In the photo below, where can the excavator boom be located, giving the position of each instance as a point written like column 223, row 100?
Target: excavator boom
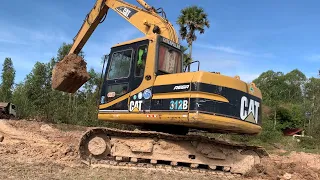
column 92, row 20
column 147, row 20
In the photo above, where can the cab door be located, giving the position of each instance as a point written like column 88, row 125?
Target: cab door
column 123, row 74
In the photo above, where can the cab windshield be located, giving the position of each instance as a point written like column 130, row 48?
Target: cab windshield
column 169, row 60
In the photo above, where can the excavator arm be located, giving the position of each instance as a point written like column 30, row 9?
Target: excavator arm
column 147, row 20
column 92, row 20
column 70, row 74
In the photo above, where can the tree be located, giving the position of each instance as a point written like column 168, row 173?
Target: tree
column 7, row 76
column 35, row 88
column 186, row 57
column 295, row 81
column 283, row 92
column 191, row 20
column 270, row 83
column 272, row 87
column 312, row 97
column 64, row 50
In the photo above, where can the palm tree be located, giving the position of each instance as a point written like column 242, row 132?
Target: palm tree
column 186, row 56
column 192, row 19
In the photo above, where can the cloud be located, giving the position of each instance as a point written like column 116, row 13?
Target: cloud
column 30, row 36
column 248, row 77
column 213, row 64
column 11, row 41
column 229, row 61
column 313, row 58
column 9, row 36
column 218, row 62
column 231, row 50
column 48, row 36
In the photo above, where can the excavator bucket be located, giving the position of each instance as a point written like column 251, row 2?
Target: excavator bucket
column 70, row 74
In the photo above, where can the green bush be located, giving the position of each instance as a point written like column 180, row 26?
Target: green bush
column 309, row 143
column 269, row 134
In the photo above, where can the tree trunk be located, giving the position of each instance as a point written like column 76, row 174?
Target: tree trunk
column 69, row 108
column 190, row 53
column 275, row 119
column 312, row 114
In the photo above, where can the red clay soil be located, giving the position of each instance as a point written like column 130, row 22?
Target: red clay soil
column 70, row 74
column 295, row 166
column 36, row 150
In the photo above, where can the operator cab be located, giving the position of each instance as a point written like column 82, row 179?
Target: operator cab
column 169, row 58
column 126, row 67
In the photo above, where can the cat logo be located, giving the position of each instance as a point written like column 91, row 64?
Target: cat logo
column 135, row 105
column 249, row 110
column 126, row 11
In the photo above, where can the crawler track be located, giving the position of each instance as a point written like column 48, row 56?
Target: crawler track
column 160, row 167
column 194, row 153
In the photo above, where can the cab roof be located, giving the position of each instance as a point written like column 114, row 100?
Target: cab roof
column 131, row 41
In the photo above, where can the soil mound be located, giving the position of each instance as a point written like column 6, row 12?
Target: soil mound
column 295, row 166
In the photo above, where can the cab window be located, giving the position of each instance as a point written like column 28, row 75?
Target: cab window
column 169, row 60
column 120, row 64
column 141, row 60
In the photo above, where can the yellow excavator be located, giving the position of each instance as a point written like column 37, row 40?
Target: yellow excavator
column 145, row 84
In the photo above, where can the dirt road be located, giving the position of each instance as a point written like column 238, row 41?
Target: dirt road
column 35, row 150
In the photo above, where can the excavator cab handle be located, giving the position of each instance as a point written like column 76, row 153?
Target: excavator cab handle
column 185, row 68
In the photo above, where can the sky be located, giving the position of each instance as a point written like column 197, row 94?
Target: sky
column 245, row 38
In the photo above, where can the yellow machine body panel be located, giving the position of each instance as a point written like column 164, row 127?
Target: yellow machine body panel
column 201, row 100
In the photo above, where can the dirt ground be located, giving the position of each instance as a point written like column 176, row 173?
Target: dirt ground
column 35, row 150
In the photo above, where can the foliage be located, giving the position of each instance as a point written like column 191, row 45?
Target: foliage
column 7, row 77
column 269, row 134
column 272, row 87
column 191, row 20
column 293, row 99
column 35, row 99
column 290, row 116
column 64, row 50
column 186, row 57
column 312, row 100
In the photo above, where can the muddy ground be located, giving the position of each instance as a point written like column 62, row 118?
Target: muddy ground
column 35, row 150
